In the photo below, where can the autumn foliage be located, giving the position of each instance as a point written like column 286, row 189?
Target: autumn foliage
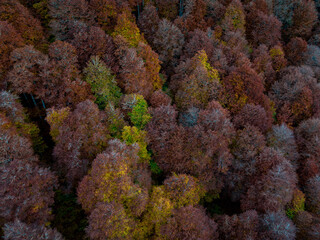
column 160, row 119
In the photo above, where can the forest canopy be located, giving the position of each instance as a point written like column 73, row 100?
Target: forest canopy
column 160, row 119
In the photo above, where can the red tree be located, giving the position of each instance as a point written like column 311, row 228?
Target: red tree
column 304, row 17
column 241, row 86
column 295, row 49
column 190, row 223
column 248, row 143
column 105, row 12
column 56, row 79
column 176, row 147
column 66, row 14
column 148, row 22
column 293, row 94
column 253, row 115
column 88, row 41
column 168, row 42
column 263, row 65
column 243, row 226
column 262, row 28
column 26, row 190
column 273, row 183
column 22, row 20
column 198, row 40
column 11, row 40
column 282, row 139
column 81, row 136
column 159, row 98
column 167, row 8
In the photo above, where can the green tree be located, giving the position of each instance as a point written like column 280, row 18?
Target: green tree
column 133, row 135
column 102, row 81
column 139, row 115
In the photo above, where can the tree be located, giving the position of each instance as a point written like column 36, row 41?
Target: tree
column 311, row 58
column 55, row 79
column 242, row 86
column 278, row 60
column 193, row 150
column 81, row 136
column 199, row 40
column 115, row 121
column 304, row 17
column 11, row 107
column 152, row 65
column 189, row 117
column 127, row 28
column 55, row 118
column 14, row 146
column 109, row 220
column 139, row 68
column 283, row 10
column 65, row 14
column 168, row 42
column 193, row 16
column 253, row 115
column 246, row 147
column 190, row 223
column 162, row 130
column 103, row 83
column 105, row 12
column 22, row 20
column 183, row 190
column 307, row 225
column 274, row 183
column 215, row 10
column 26, row 190
column 234, row 17
column 313, row 194
column 112, row 178
column 262, row 28
column 242, row 226
column 133, row 135
column 27, row 63
column 14, row 117
column 263, row 65
column 88, row 41
column 148, row 22
column 196, row 82
column 296, row 205
column 282, row 139
column 276, row 225
column 307, row 137
column 61, row 83
column 11, row 40
column 159, row 98
column 137, row 110
column 295, row 49
column 167, row 9
column 158, row 211
column 18, row 230
column 293, row 95
column 29, row 187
